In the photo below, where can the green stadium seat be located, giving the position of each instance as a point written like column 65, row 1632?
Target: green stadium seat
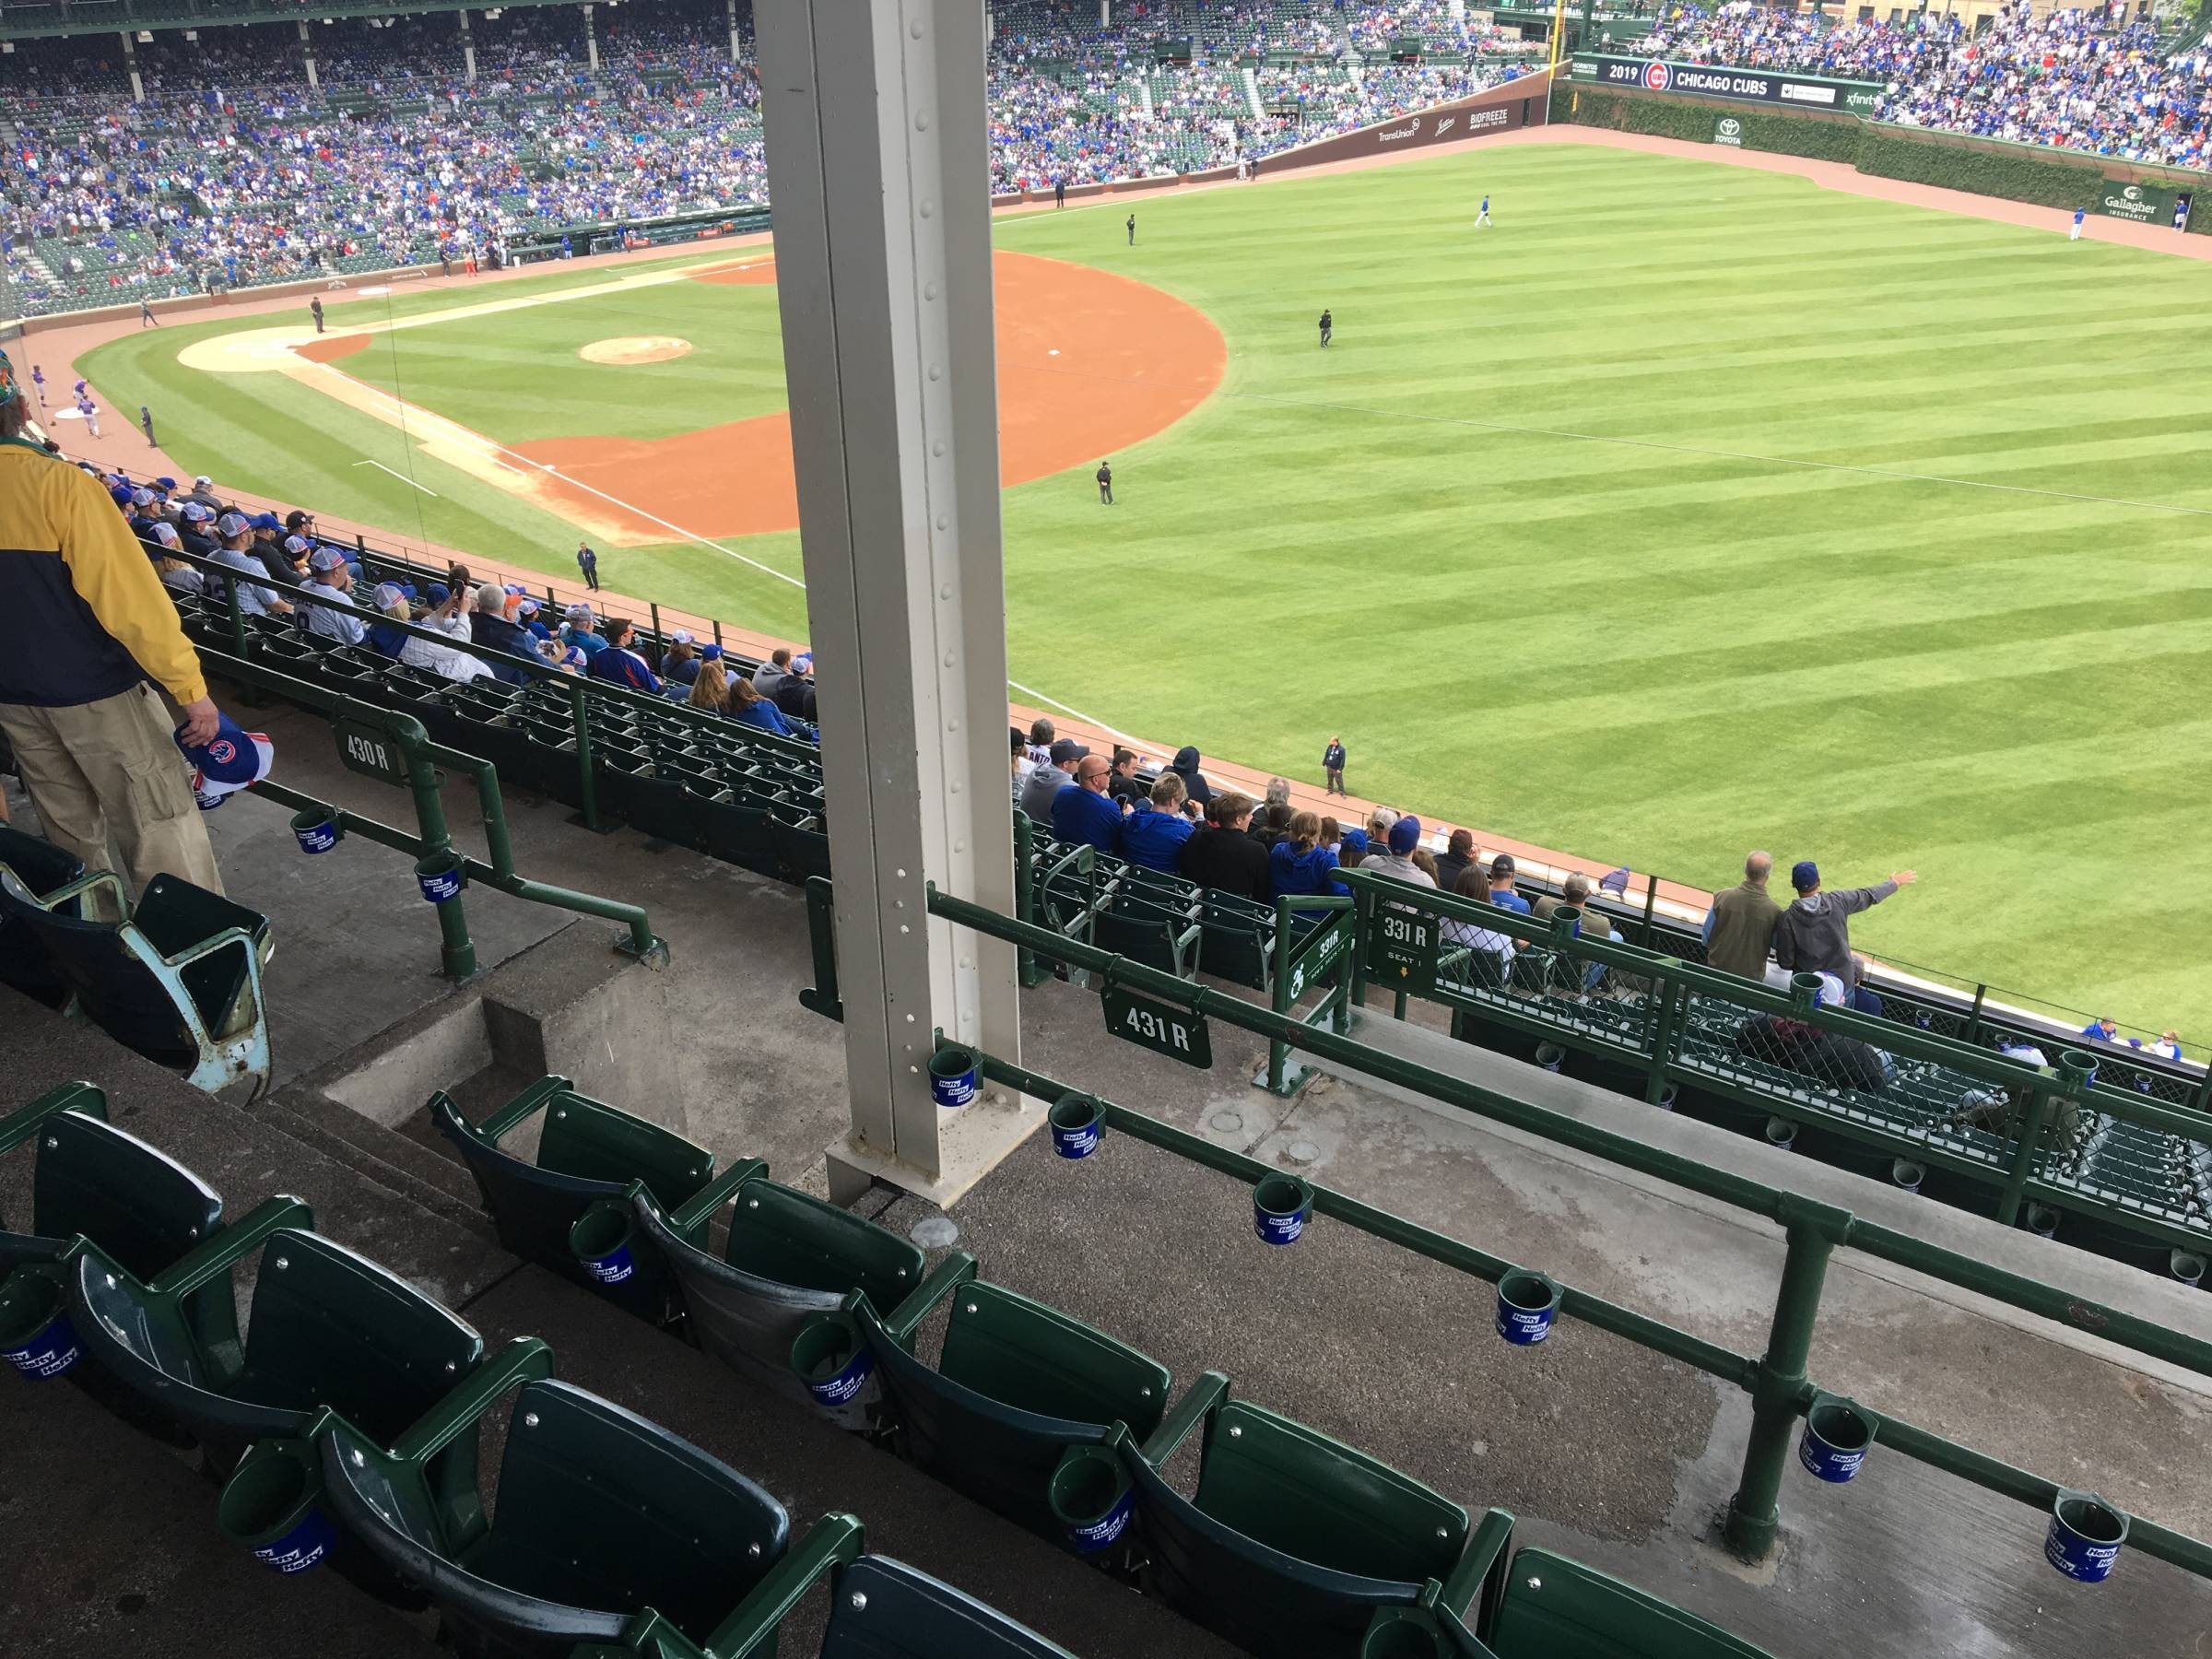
column 1015, row 1384
column 802, row 845
column 879, row 1608
column 40, row 870
column 607, row 1526
column 91, row 1180
column 327, row 1328
column 1551, row 1607
column 788, row 1257
column 1293, row 1542
column 178, row 977
column 588, row 1154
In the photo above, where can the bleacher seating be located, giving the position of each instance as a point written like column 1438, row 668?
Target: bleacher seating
column 176, row 976
column 348, row 1420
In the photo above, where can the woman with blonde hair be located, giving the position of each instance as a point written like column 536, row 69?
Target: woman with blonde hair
column 1301, row 864
column 711, row 690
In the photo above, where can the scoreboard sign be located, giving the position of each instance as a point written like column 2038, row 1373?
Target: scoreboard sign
column 1718, row 80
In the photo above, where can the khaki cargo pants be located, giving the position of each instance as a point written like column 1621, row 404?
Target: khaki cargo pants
column 111, row 769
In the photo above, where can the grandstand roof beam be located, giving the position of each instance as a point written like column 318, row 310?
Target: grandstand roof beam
column 878, row 155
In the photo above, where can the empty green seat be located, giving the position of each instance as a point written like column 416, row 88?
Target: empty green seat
column 1551, row 1607
column 141, row 1206
column 604, row 1524
column 788, row 1257
column 1294, row 1542
column 879, row 1608
column 178, row 979
column 327, row 1328
column 40, row 868
column 588, row 1153
column 1015, row 1384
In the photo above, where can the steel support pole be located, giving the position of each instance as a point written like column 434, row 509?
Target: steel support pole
column 877, row 161
column 1754, row 1513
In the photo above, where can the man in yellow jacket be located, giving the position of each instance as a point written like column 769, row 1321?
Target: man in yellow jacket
column 94, row 632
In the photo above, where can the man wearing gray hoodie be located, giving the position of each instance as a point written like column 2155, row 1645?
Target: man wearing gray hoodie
column 1813, row 935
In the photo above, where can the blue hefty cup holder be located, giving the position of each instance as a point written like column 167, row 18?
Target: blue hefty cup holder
column 36, row 1337
column 1527, row 1302
column 2186, row 1265
column 1782, row 1135
column 316, row 829
column 1077, row 1121
column 1551, row 1056
column 272, row 1506
column 952, row 1076
column 440, row 879
column 1907, row 1174
column 2085, row 1538
column 831, row 1357
column 1280, row 1206
column 1090, row 1495
column 602, row 1241
column 1838, row 1433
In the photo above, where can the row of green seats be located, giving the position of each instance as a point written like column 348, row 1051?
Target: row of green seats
column 346, row 1426
column 1292, row 1542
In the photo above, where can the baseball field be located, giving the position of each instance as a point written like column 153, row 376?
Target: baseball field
column 1686, row 509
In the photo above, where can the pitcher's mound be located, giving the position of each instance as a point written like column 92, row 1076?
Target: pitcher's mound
column 635, row 349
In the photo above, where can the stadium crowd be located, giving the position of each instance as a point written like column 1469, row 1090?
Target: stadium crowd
column 2071, row 79
column 235, row 170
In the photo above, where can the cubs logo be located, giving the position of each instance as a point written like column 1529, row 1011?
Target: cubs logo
column 222, row 751
column 1656, row 76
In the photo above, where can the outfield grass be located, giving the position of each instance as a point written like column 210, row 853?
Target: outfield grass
column 1527, row 538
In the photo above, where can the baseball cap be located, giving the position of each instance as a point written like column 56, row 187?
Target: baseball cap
column 1067, row 749
column 122, row 494
column 1353, row 836
column 324, row 558
column 1405, row 835
column 680, row 637
column 227, row 762
column 712, row 654
column 1831, row 992
column 142, row 498
column 296, row 518
column 1503, row 864
column 388, row 594
column 230, row 525
column 195, row 512
column 1805, row 875
column 202, row 482
column 166, row 535
column 268, row 521
column 165, row 482
column 440, row 592
column 525, row 608
column 296, row 545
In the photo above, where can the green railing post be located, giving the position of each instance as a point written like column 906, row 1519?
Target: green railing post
column 1973, row 1023
column 2023, row 1156
column 1663, row 1037
column 586, row 786
column 1274, row 1079
column 1363, row 916
column 1025, row 897
column 1779, row 1386
column 822, row 997
column 1651, row 898
column 238, row 618
column 660, row 639
column 456, row 949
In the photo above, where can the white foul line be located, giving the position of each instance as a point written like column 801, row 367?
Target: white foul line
column 400, row 476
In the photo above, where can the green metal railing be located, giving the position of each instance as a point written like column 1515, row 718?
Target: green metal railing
column 1668, row 1034
column 432, row 844
column 1777, row 1380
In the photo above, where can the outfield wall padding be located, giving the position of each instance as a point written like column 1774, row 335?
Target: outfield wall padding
column 2015, row 172
column 1500, row 108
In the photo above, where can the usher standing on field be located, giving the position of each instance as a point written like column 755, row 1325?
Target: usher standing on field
column 1328, row 326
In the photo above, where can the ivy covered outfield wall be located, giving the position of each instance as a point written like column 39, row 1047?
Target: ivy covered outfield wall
column 2018, row 173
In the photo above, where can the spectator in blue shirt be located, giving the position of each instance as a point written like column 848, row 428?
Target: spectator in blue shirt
column 618, row 662
column 1299, row 865
column 1083, row 811
column 2101, row 1030
column 747, row 707
column 1502, row 892
column 1153, row 835
column 576, row 631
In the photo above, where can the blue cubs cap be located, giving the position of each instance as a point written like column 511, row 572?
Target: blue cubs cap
column 1805, row 875
column 1405, row 835
column 1355, row 839
column 712, row 654
column 122, row 494
column 227, row 762
column 440, row 592
column 165, row 482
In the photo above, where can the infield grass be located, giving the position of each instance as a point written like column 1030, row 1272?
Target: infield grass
column 1649, row 523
